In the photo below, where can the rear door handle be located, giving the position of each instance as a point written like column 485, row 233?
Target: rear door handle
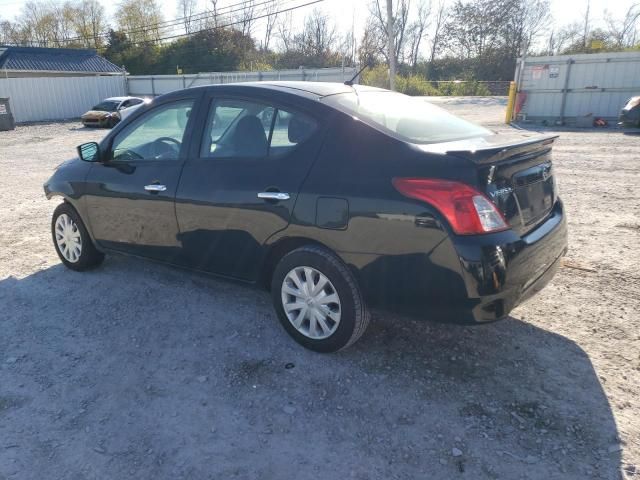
column 155, row 188
column 273, row 196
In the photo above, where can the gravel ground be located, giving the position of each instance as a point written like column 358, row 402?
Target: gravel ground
column 137, row 370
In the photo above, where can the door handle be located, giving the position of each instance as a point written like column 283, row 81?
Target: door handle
column 273, row 196
column 155, row 188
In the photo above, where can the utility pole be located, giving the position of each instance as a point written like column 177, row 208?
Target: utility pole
column 390, row 46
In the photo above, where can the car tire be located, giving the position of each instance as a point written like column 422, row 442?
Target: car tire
column 112, row 122
column 72, row 241
column 334, row 315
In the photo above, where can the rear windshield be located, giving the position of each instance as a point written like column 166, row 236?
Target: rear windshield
column 107, row 106
column 411, row 119
column 632, row 103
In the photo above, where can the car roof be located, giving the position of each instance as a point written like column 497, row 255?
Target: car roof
column 119, row 99
column 320, row 89
column 308, row 89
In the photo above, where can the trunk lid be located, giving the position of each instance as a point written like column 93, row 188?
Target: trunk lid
column 514, row 170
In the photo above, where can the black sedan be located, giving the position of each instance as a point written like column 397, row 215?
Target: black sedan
column 337, row 198
column 630, row 113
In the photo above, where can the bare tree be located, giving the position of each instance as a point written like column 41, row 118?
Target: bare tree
column 417, row 31
column 271, row 12
column 525, row 23
column 284, row 28
column 624, row 33
column 562, row 38
column 186, row 9
column 214, row 10
column 35, row 21
column 438, row 27
column 11, row 34
column 318, row 37
column 90, row 22
column 245, row 17
column 377, row 27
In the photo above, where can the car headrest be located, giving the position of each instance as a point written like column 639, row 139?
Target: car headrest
column 249, row 138
column 300, row 128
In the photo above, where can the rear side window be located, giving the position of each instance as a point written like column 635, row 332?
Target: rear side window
column 409, row 118
column 290, row 129
column 247, row 129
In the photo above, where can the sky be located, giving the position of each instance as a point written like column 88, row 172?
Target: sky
column 348, row 12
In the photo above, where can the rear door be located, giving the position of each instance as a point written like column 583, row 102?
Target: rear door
column 240, row 183
column 130, row 196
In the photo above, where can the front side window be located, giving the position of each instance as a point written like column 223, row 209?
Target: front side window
column 247, row 129
column 409, row 118
column 158, row 135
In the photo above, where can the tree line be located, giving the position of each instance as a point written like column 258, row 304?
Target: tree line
column 434, row 39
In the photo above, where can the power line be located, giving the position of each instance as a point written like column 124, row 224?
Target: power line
column 192, row 49
column 180, row 20
column 226, row 25
column 182, row 35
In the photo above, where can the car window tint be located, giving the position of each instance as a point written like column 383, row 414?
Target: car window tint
column 240, row 128
column 289, row 130
column 237, row 128
column 157, row 135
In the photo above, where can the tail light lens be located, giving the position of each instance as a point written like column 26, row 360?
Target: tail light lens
column 468, row 211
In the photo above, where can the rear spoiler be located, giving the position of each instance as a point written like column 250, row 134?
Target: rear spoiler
column 493, row 148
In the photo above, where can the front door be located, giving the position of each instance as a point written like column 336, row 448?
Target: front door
column 239, row 187
column 131, row 195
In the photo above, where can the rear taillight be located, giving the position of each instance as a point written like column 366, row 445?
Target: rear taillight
column 468, row 211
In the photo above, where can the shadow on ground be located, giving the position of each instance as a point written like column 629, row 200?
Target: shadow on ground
column 136, row 370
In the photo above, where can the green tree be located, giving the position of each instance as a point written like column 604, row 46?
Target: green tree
column 214, row 50
column 138, row 59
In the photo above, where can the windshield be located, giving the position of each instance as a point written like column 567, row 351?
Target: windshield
column 408, row 118
column 106, row 106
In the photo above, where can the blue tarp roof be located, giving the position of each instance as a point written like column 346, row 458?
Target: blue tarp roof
column 54, row 59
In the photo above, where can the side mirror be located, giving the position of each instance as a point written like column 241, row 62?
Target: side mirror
column 89, row 152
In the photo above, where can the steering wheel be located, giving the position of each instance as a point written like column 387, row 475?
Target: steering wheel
column 128, row 156
column 173, row 144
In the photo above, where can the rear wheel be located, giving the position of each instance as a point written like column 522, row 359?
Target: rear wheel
column 318, row 300
column 71, row 240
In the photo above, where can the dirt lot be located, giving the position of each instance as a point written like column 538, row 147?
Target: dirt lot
column 137, row 370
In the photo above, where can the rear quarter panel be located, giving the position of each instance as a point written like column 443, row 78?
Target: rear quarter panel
column 397, row 262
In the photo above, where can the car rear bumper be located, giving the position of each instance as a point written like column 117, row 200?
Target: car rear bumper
column 471, row 279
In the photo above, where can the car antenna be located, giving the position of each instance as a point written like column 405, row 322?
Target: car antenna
column 350, row 82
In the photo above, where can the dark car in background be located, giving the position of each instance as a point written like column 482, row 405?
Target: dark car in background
column 337, row 198
column 630, row 113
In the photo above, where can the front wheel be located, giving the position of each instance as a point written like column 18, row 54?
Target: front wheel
column 71, row 240
column 317, row 300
